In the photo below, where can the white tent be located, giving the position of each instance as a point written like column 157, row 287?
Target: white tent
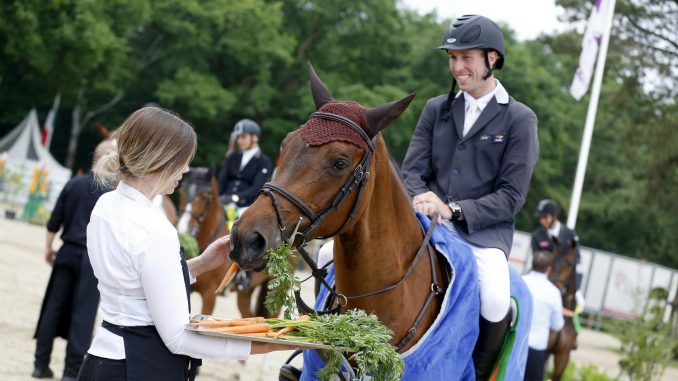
column 22, row 151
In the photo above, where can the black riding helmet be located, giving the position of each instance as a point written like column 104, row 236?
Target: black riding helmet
column 247, row 126
column 547, row 206
column 473, row 32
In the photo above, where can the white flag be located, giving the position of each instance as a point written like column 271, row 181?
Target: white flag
column 592, row 37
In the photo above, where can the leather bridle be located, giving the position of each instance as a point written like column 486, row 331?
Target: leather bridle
column 357, row 180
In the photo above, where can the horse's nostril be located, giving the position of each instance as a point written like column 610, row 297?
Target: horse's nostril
column 255, row 242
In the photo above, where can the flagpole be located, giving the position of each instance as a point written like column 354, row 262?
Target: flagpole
column 590, row 120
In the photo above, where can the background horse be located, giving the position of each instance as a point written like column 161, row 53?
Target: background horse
column 336, row 174
column 203, row 217
column 563, row 276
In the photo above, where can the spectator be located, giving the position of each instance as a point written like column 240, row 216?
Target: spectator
column 547, row 314
column 71, row 299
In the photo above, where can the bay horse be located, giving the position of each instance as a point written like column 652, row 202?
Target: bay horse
column 202, row 216
column 337, row 178
column 563, row 276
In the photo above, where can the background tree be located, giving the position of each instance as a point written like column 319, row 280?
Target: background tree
column 217, row 61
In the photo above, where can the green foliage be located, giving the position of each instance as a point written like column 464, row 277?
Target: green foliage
column 585, row 373
column 190, row 245
column 364, row 334
column 281, row 287
column 647, row 345
column 217, row 61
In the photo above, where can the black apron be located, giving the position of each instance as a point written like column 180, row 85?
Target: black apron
column 146, row 356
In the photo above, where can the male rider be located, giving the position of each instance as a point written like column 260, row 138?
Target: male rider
column 470, row 160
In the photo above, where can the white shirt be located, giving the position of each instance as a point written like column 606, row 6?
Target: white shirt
column 474, row 107
column 555, row 230
column 134, row 252
column 547, row 309
column 248, row 155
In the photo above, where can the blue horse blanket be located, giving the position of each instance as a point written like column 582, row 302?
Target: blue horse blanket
column 444, row 352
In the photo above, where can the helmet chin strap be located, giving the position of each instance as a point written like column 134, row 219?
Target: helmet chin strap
column 447, row 108
column 487, row 65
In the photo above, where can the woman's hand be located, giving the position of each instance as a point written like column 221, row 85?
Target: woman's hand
column 214, row 256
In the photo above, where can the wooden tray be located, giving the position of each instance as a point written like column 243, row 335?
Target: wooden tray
column 282, row 341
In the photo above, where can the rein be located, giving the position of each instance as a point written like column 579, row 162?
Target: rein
column 358, row 179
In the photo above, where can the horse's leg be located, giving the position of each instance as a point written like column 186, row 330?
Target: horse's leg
column 208, row 301
column 244, row 302
column 562, row 352
column 260, row 304
column 560, row 360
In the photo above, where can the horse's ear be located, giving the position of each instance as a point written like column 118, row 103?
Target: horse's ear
column 103, row 131
column 381, row 116
column 555, row 240
column 321, row 95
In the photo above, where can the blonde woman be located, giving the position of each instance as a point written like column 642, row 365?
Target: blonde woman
column 135, row 254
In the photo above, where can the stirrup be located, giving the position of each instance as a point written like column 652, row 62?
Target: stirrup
column 288, row 372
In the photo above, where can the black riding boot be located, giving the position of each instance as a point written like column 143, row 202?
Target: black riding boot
column 490, row 340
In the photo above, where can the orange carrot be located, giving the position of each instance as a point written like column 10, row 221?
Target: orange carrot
column 227, row 323
column 229, row 274
column 222, row 323
column 291, row 328
column 246, row 329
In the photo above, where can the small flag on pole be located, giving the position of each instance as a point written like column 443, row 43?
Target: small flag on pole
column 595, row 29
column 48, row 129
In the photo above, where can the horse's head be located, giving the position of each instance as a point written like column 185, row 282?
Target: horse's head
column 324, row 168
column 563, row 268
column 198, row 191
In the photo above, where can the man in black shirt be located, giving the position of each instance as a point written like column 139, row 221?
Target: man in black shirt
column 70, row 304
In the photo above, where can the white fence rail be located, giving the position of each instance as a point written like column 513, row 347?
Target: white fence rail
column 612, row 284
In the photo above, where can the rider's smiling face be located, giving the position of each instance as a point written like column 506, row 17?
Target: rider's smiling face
column 468, row 69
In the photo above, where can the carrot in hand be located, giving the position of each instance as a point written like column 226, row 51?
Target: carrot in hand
column 291, row 328
column 246, row 329
column 229, row 274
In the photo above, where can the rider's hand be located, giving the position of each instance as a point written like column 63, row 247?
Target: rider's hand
column 429, row 203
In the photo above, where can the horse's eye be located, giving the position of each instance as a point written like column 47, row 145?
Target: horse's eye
column 340, row 164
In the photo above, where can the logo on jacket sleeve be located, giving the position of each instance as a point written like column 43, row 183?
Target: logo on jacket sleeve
column 498, row 139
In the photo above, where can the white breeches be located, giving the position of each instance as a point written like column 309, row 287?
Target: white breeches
column 493, row 279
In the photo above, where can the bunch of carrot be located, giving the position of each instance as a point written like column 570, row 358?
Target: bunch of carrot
column 254, row 326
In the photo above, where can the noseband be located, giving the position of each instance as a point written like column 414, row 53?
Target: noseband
column 358, row 179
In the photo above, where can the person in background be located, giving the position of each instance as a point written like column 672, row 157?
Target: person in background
column 70, row 303
column 143, row 277
column 552, row 233
column 244, row 172
column 470, row 161
column 546, row 314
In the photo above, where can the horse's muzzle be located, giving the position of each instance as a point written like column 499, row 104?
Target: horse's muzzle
column 248, row 251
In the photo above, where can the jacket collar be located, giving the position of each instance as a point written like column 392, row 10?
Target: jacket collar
column 490, row 111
